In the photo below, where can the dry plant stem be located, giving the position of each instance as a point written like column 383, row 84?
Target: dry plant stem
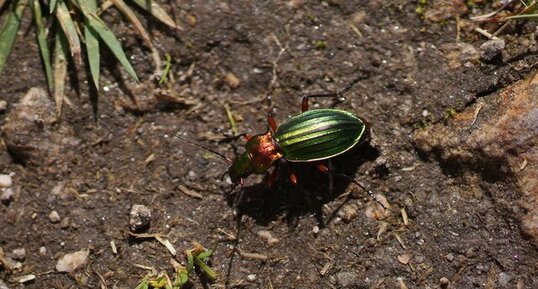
column 274, row 79
column 129, row 14
column 485, row 33
column 60, row 73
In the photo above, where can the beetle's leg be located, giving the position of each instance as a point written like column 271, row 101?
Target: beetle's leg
column 292, row 175
column 324, row 169
column 304, row 104
column 272, row 177
column 271, row 122
column 238, row 199
column 327, row 170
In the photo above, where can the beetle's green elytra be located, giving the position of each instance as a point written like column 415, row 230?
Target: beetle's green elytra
column 318, row 134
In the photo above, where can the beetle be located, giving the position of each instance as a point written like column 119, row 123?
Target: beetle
column 312, row 136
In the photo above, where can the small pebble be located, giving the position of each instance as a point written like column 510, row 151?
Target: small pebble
column 5, row 181
column 42, row 250
column 347, row 279
column 419, row 259
column 348, row 212
column 64, row 224
column 504, row 279
column 251, row 277
column 6, row 195
column 315, row 229
column 3, row 105
column 231, row 80
column 18, row 254
column 54, row 217
column 70, row 262
column 491, row 48
column 268, row 237
column 404, row 258
column 449, row 257
column 140, row 217
column 444, row 282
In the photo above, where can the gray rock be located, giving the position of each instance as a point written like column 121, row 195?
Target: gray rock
column 140, row 217
column 5, row 181
column 347, row 279
column 491, row 48
column 70, row 262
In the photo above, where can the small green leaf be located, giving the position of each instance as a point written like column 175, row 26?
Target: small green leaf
column 108, row 37
column 52, row 6
column 42, row 42
column 69, row 29
column 8, row 32
column 92, row 46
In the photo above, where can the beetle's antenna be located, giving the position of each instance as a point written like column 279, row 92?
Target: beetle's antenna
column 203, row 147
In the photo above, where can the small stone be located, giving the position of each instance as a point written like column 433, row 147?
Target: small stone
column 5, row 181
column 491, row 48
column 18, row 254
column 419, row 259
column 348, row 212
column 444, row 282
column 42, row 251
column 54, row 217
column 70, row 262
column 251, row 277
column 504, row 279
column 449, row 257
column 64, row 224
column 140, row 217
column 231, row 80
column 404, row 258
column 3, row 105
column 347, row 279
column 6, row 195
column 268, row 237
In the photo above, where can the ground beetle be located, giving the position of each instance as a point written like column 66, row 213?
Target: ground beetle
column 312, row 136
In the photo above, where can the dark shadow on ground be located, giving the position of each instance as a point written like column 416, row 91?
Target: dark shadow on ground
column 264, row 204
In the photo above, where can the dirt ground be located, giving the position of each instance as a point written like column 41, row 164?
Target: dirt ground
column 100, row 160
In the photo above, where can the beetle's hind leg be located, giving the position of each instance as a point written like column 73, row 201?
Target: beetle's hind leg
column 339, row 93
column 328, row 170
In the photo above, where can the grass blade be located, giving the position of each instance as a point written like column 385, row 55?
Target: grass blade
column 52, row 6
column 108, row 37
column 9, row 31
column 158, row 12
column 69, row 29
column 130, row 15
column 42, row 42
column 92, row 46
column 60, row 71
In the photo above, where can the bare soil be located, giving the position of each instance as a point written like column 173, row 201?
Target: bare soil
column 126, row 153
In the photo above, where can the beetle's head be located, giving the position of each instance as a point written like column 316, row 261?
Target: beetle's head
column 241, row 168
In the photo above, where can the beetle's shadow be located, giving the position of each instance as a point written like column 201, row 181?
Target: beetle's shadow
column 284, row 200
